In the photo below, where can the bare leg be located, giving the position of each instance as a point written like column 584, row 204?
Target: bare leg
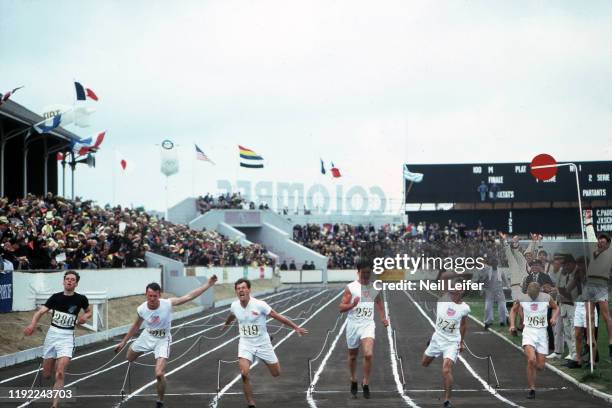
column 541, row 362
column 447, row 375
column 274, row 369
column 245, row 368
column 426, row 360
column 605, row 313
column 60, row 369
column 352, row 360
column 591, row 327
column 579, row 334
column 368, row 354
column 532, row 363
column 48, row 366
column 160, row 376
column 131, row 355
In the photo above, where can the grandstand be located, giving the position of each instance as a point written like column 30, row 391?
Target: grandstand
column 28, row 159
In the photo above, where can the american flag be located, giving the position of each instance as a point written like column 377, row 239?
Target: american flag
column 200, row 155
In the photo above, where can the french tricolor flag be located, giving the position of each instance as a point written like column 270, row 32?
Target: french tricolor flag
column 83, row 93
column 85, row 146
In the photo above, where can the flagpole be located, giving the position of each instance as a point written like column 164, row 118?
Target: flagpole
column 114, row 176
column 193, row 165
column 72, row 166
column 64, row 174
column 166, row 198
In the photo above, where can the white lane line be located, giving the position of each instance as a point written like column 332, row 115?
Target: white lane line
column 315, row 377
column 454, row 391
column 113, row 346
column 490, row 389
column 125, row 361
column 393, row 358
column 189, row 362
column 215, row 401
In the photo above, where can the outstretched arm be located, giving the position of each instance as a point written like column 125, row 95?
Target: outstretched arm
column 135, row 327
column 39, row 313
column 228, row 322
column 590, row 233
column 194, row 293
column 287, row 322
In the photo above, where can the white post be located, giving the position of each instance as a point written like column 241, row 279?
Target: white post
column 166, row 198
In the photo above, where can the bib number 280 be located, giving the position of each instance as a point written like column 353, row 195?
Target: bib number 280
column 63, row 319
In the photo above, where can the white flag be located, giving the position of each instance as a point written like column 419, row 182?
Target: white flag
column 414, row 177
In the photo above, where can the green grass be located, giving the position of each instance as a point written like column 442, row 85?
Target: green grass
column 601, row 378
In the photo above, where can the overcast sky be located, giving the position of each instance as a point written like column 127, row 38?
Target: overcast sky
column 368, row 85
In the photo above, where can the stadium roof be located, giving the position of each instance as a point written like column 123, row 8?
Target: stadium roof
column 21, row 114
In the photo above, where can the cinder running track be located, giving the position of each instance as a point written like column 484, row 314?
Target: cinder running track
column 198, row 345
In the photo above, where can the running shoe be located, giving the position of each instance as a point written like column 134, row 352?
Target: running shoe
column 573, row 364
column 531, row 394
column 159, row 404
column 366, row 391
column 354, row 388
column 447, row 404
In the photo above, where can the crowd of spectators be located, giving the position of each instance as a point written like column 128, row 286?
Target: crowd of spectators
column 52, row 232
column 226, row 201
column 343, row 243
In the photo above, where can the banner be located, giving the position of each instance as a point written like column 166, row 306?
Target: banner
column 6, row 291
column 169, row 158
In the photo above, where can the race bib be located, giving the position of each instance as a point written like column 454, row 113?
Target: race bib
column 63, row 320
column 446, row 326
column 249, row 330
column 158, row 333
column 535, row 321
column 363, row 312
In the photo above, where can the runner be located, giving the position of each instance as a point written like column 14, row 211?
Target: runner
column 535, row 306
column 59, row 342
column 156, row 313
column 254, row 341
column 359, row 300
column 518, row 260
column 448, row 337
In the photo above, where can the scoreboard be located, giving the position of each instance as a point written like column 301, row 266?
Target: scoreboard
column 505, row 183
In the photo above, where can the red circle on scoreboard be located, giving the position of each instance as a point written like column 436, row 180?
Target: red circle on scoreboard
column 545, row 173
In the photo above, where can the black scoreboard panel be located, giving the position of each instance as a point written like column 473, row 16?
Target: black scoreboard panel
column 506, row 182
